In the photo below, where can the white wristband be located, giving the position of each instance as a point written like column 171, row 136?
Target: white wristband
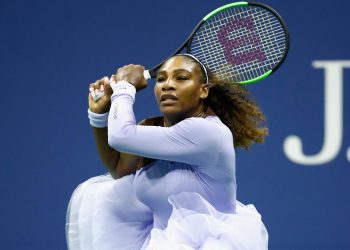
column 123, row 88
column 98, row 120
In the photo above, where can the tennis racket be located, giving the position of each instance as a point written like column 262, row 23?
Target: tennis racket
column 241, row 42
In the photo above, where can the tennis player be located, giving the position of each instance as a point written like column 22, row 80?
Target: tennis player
column 171, row 181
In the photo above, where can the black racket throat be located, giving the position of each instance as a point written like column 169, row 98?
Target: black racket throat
column 153, row 71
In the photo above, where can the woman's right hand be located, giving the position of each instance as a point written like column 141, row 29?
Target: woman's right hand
column 103, row 104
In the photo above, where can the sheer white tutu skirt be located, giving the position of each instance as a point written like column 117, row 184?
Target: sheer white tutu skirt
column 105, row 214
column 196, row 224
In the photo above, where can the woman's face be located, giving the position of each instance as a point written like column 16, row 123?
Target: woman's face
column 179, row 89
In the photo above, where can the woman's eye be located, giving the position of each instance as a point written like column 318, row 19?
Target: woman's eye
column 160, row 79
column 182, row 78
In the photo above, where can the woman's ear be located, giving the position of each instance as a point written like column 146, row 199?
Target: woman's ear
column 204, row 91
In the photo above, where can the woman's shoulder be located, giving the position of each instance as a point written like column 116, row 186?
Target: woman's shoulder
column 207, row 122
column 208, row 128
column 218, row 127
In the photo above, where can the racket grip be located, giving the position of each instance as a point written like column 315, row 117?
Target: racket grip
column 146, row 75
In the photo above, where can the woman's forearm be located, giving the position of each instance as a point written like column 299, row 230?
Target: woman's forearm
column 108, row 155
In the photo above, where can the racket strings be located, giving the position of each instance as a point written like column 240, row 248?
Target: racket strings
column 237, row 36
column 240, row 43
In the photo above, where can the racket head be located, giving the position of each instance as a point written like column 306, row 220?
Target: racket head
column 241, row 42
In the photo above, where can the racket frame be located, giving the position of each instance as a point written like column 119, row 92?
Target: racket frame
column 188, row 41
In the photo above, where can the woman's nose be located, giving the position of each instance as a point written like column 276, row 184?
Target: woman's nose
column 168, row 85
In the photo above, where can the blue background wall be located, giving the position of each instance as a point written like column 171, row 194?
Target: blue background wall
column 51, row 50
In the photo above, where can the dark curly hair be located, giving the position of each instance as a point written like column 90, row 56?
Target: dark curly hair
column 232, row 103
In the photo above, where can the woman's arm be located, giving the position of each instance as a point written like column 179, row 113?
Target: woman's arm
column 108, row 155
column 195, row 141
column 118, row 164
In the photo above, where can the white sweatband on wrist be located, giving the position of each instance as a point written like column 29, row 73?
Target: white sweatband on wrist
column 98, row 120
column 123, row 88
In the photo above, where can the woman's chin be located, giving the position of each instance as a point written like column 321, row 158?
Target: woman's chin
column 168, row 110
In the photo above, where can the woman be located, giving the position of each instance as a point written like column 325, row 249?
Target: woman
column 186, row 197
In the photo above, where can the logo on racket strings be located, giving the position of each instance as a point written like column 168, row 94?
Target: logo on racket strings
column 246, row 43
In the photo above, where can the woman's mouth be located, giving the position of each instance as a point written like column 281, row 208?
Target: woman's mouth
column 168, row 98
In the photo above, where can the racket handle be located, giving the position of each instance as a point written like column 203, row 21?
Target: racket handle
column 146, row 75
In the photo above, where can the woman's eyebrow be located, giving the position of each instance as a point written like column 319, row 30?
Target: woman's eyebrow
column 174, row 71
column 181, row 70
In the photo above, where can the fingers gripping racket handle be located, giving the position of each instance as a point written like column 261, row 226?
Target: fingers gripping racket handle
column 147, row 74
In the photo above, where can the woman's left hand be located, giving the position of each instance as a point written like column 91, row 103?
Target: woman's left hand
column 132, row 73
